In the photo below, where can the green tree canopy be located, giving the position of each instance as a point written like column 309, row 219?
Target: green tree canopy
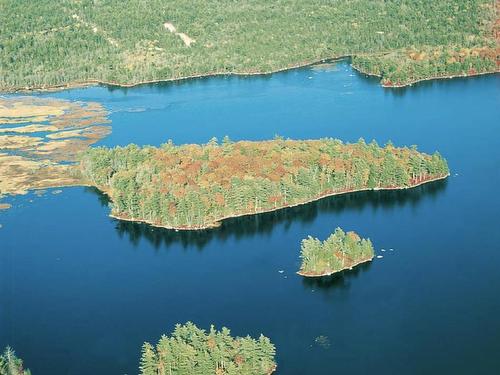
column 338, row 252
column 193, row 351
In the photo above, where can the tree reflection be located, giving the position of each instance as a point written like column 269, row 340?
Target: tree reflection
column 338, row 281
column 248, row 226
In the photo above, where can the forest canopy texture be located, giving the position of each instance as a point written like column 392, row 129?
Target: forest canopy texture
column 60, row 42
column 192, row 351
column 195, row 186
column 338, row 252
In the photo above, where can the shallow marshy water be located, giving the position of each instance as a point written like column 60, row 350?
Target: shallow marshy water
column 80, row 292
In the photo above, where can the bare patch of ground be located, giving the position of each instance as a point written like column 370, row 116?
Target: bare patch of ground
column 186, row 39
column 170, row 27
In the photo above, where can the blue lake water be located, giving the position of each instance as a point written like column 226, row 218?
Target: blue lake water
column 80, row 292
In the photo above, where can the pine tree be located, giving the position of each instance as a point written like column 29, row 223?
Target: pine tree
column 149, row 360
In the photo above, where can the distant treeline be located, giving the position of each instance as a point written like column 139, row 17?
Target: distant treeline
column 51, row 42
column 338, row 252
column 192, row 351
column 10, row 364
column 195, row 186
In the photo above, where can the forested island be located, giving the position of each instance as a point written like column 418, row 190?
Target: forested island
column 340, row 251
column 51, row 43
column 192, row 351
column 196, row 186
column 10, row 364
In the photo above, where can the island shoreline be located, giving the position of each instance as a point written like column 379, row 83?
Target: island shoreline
column 304, row 64
column 329, row 273
column 217, row 223
column 415, row 81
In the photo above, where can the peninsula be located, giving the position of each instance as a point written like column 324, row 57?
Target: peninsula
column 196, row 186
column 339, row 252
column 192, row 351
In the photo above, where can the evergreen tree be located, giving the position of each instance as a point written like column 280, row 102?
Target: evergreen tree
column 11, row 365
column 338, row 252
column 192, row 351
column 194, row 186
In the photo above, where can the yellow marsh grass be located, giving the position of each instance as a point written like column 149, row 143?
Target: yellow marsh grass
column 34, row 162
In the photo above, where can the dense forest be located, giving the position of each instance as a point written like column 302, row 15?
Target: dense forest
column 338, row 252
column 49, row 43
column 11, row 365
column 196, row 186
column 192, row 351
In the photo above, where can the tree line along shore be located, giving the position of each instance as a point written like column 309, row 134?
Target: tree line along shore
column 196, row 186
column 47, row 43
column 340, row 251
column 189, row 350
column 193, row 351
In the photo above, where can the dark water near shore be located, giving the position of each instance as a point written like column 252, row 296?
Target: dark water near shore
column 80, row 292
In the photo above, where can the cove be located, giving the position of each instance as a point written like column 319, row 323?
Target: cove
column 81, row 292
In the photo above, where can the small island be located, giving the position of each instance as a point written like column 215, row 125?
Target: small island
column 197, row 186
column 10, row 364
column 339, row 252
column 192, row 351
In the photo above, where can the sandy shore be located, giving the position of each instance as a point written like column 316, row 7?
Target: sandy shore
column 330, row 272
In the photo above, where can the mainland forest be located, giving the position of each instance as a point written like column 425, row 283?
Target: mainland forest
column 48, row 43
column 192, row 351
column 338, row 252
column 195, row 186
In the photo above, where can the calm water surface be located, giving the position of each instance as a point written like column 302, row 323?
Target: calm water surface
column 80, row 292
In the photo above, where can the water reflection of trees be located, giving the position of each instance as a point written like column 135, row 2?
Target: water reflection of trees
column 247, row 226
column 339, row 281
column 163, row 87
column 167, row 86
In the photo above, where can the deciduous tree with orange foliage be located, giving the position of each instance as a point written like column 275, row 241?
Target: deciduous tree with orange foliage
column 196, row 186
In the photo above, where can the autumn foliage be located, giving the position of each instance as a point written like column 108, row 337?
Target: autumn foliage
column 196, row 186
column 340, row 251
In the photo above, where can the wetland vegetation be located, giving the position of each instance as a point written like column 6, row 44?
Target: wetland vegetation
column 40, row 139
column 340, row 251
column 49, row 43
column 192, row 351
column 197, row 186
